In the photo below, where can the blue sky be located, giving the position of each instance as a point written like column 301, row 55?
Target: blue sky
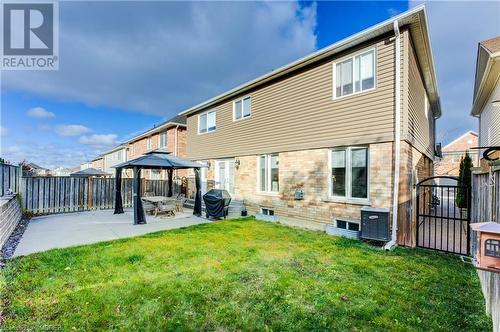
column 118, row 77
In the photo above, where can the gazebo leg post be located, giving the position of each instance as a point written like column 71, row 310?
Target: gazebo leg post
column 170, row 172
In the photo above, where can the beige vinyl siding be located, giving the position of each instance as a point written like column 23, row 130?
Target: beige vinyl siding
column 299, row 112
column 489, row 121
column 418, row 128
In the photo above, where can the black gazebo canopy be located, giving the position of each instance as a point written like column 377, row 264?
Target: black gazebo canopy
column 157, row 159
column 88, row 172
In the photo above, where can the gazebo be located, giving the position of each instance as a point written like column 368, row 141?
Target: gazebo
column 157, row 159
column 90, row 172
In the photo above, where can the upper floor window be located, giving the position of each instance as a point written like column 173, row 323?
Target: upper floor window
column 242, row 108
column 349, row 173
column 162, row 139
column 206, row 122
column 269, row 173
column 355, row 74
column 119, row 155
column 149, row 143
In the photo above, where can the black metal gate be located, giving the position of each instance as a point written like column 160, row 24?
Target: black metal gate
column 443, row 215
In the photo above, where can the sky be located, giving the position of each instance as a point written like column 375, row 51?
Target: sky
column 125, row 66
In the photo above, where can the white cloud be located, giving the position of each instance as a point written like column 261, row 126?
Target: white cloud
column 454, row 45
column 41, row 113
column 72, row 130
column 98, row 140
column 3, row 131
column 162, row 57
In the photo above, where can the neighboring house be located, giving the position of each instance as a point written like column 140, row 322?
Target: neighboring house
column 85, row 165
column 486, row 100
column 113, row 157
column 62, row 171
column 324, row 125
column 97, row 163
column 32, row 169
column 170, row 136
column 449, row 164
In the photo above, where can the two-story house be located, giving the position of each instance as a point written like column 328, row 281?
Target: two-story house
column 348, row 126
column 486, row 100
column 169, row 135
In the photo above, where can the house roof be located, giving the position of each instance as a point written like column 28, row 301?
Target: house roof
column 176, row 120
column 33, row 165
column 492, row 45
column 487, row 73
column 415, row 19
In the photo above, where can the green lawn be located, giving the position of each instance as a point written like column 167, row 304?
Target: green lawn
column 241, row 275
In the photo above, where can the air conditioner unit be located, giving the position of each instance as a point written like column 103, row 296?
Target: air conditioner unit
column 375, row 224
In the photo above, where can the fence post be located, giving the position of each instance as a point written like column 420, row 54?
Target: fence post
column 89, row 196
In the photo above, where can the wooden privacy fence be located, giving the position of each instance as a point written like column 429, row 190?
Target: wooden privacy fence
column 9, row 178
column 485, row 208
column 485, row 197
column 69, row 194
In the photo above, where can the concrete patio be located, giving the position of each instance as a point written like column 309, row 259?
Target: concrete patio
column 70, row 229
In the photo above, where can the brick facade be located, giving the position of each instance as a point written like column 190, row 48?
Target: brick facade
column 308, row 170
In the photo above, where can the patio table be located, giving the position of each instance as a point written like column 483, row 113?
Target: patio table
column 157, row 200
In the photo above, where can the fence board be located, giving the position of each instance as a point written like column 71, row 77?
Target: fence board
column 9, row 178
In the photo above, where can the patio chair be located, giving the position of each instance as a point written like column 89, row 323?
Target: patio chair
column 168, row 208
column 180, row 204
column 149, row 207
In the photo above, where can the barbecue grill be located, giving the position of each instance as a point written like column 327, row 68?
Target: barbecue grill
column 217, row 203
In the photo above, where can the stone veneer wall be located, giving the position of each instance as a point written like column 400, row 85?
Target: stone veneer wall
column 10, row 215
column 308, row 170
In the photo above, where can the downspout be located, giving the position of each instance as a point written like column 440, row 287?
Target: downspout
column 397, row 138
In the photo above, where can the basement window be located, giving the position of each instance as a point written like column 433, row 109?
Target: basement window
column 267, row 212
column 348, row 225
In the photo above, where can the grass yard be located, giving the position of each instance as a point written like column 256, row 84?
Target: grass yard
column 240, row 275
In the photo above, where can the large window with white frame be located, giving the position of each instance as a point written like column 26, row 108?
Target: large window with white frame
column 349, row 172
column 148, row 142
column 269, row 173
column 207, row 122
column 162, row 139
column 355, row 74
column 242, row 108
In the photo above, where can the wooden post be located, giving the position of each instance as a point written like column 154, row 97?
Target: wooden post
column 90, row 193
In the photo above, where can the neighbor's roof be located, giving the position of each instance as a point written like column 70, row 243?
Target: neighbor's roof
column 487, row 73
column 90, row 172
column 415, row 19
column 492, row 45
column 33, row 165
column 159, row 158
column 176, row 120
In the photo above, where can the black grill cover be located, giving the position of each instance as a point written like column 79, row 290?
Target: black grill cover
column 217, row 202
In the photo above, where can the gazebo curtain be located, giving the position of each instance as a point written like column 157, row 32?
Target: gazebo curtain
column 170, row 176
column 197, row 197
column 139, row 216
column 118, row 192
